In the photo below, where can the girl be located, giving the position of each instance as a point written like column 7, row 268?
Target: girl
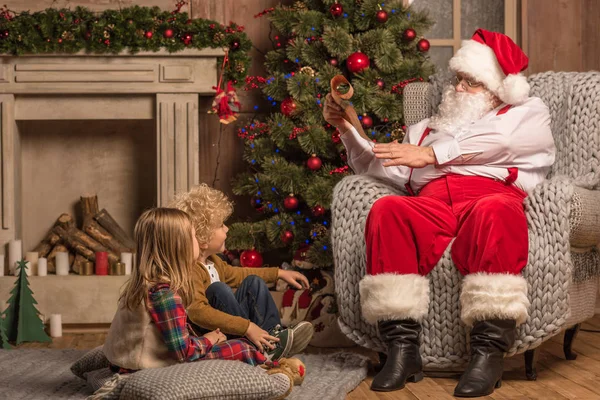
column 149, row 329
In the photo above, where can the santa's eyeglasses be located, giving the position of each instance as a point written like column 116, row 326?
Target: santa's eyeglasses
column 459, row 78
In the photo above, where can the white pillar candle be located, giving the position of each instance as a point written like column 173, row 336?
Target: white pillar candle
column 15, row 254
column 42, row 267
column 62, row 263
column 1, row 265
column 32, row 258
column 127, row 259
column 55, row 325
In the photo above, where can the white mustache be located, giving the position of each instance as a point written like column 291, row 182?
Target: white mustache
column 458, row 109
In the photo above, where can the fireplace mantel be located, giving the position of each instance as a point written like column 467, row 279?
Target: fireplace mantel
column 147, row 85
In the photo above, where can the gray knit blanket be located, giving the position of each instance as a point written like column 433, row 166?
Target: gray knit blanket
column 573, row 100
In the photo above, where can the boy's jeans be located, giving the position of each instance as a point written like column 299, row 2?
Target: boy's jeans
column 252, row 301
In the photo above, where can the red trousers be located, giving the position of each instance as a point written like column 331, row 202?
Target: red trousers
column 409, row 234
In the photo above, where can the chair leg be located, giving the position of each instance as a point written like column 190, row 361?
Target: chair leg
column 531, row 357
column 570, row 335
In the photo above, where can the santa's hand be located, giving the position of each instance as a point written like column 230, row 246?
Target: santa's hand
column 404, row 154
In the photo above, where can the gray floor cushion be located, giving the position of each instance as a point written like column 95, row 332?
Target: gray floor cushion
column 210, row 379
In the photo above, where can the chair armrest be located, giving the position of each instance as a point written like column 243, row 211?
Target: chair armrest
column 416, row 100
column 584, row 218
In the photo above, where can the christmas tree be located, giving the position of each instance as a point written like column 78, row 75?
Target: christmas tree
column 295, row 157
column 22, row 320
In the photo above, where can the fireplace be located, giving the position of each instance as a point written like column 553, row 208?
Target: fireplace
column 122, row 118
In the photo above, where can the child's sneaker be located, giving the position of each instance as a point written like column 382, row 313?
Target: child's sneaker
column 283, row 347
column 303, row 333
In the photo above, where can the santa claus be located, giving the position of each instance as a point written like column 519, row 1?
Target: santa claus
column 467, row 171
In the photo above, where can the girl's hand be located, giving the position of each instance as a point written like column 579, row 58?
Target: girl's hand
column 215, row 337
column 334, row 114
column 260, row 337
column 294, row 278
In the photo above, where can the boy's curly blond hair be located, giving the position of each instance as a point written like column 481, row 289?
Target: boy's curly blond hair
column 207, row 207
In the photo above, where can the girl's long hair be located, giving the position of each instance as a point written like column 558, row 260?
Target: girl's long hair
column 164, row 254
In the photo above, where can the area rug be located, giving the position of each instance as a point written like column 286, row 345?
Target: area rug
column 45, row 374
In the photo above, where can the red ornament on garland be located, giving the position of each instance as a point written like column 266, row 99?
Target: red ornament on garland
column 314, row 163
column 235, row 45
column 381, row 16
column 318, row 210
column 380, row 83
column 291, row 202
column 336, row 10
column 409, row 35
column 367, row 121
column 148, row 35
column 251, row 259
column 335, row 137
column 288, row 106
column 169, row 33
column 333, row 61
column 423, row 45
column 287, row 237
column 187, row 39
column 357, row 62
column 107, row 42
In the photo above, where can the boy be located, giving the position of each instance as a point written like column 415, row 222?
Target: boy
column 251, row 311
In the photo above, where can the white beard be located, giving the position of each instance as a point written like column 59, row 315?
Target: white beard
column 458, row 109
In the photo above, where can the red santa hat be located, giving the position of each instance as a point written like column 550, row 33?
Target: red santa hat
column 493, row 59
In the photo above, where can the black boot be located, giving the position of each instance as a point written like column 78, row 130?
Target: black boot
column 489, row 341
column 403, row 358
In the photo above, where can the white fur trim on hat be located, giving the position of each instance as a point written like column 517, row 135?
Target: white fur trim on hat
column 392, row 296
column 494, row 296
column 479, row 62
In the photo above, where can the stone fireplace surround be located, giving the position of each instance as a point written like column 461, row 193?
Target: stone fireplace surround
column 160, row 86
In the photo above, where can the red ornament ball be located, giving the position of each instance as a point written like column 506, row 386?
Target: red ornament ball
column 251, row 259
column 149, row 35
column 88, row 35
column 380, row 83
column 409, row 35
column 234, row 45
column 288, row 106
column 381, row 16
column 357, row 62
column 335, row 137
column 336, row 10
column 59, row 40
column 318, row 210
column 291, row 202
column 314, row 163
column 333, row 61
column 367, row 121
column 187, row 39
column 287, row 237
column 423, row 45
column 169, row 33
column 107, row 42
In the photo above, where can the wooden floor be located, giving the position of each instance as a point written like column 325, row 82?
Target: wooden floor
column 557, row 378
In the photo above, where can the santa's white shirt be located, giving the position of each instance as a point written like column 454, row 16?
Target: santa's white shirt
column 520, row 138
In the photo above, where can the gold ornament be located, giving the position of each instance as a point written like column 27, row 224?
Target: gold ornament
column 67, row 35
column 219, row 36
column 307, row 71
column 140, row 32
column 111, row 26
column 19, row 38
column 318, row 231
column 106, row 35
column 299, row 6
column 398, row 134
column 239, row 67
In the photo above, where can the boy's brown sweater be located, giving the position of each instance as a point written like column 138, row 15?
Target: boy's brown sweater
column 201, row 313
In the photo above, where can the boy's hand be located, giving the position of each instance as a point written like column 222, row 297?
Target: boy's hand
column 294, row 278
column 215, row 337
column 260, row 337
